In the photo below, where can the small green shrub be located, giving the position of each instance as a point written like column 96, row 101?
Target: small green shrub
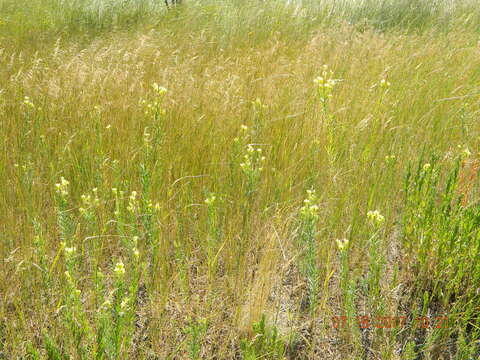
column 266, row 343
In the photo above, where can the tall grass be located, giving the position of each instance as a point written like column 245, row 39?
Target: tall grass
column 34, row 23
column 155, row 166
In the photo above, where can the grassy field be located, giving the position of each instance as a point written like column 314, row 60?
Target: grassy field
column 239, row 180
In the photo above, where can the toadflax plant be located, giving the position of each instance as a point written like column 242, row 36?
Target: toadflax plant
column 376, row 261
column 95, row 331
column 308, row 218
column 64, row 220
column 324, row 85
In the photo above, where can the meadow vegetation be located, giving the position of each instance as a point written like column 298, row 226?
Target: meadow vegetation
column 239, row 180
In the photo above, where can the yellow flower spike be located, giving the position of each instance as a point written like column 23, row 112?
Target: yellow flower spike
column 342, row 244
column 384, row 84
column 119, row 269
column 375, row 217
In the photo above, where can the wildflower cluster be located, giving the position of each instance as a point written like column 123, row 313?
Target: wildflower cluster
column 74, row 313
column 159, row 90
column 309, row 211
column 390, row 159
column 113, row 323
column 342, row 244
column 124, row 306
column 62, row 188
column 70, row 253
column 89, row 203
column 384, row 84
column 133, row 203
column 210, row 200
column 252, row 166
column 252, row 160
column 28, row 102
column 136, row 253
column 155, row 107
column 65, row 222
column 119, row 269
column 375, row 217
column 325, row 84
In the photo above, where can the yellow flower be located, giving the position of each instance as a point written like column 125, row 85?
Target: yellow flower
column 390, row 158
column 70, row 251
column 309, row 211
column 375, row 217
column 325, row 84
column 210, row 200
column 62, row 187
column 119, row 269
column 384, row 84
column 342, row 244
column 28, row 102
column 160, row 90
